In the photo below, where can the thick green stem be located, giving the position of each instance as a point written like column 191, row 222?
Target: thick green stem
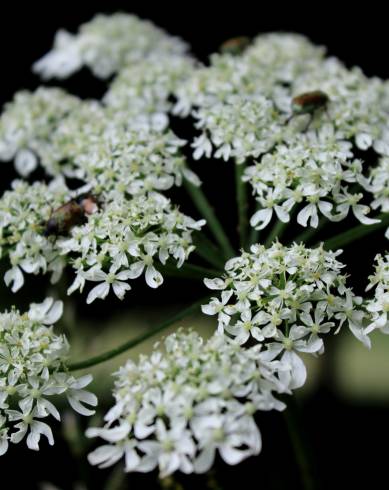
column 106, row 356
column 299, row 445
column 208, row 251
column 310, row 232
column 189, row 271
column 355, row 233
column 276, row 232
column 241, row 198
column 206, row 210
column 254, row 234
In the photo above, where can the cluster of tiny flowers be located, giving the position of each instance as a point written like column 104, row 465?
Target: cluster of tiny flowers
column 91, row 142
column 109, row 156
column 243, row 106
column 106, row 44
column 176, row 409
column 313, row 172
column 119, row 241
column 269, row 73
column 378, row 184
column 27, row 123
column 32, row 371
column 23, row 212
column 378, row 307
column 141, row 91
column 126, row 239
column 286, row 298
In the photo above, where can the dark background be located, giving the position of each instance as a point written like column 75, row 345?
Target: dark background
column 345, row 436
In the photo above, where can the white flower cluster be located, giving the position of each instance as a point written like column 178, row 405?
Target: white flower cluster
column 91, row 142
column 105, row 44
column 239, row 101
column 27, row 122
column 378, row 307
column 114, row 157
column 141, row 92
column 243, row 106
column 269, row 73
column 286, row 298
column 24, row 210
column 175, row 409
column 121, row 240
column 313, row 171
column 32, row 371
column 378, row 185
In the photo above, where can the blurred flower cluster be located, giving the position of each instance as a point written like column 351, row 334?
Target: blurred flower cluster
column 106, row 44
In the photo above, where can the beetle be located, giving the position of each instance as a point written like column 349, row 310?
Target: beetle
column 70, row 214
column 235, row 45
column 308, row 103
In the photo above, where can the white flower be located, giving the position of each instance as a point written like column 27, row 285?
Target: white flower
column 28, row 424
column 25, row 162
column 15, row 277
column 48, row 312
column 288, row 345
column 113, row 279
column 153, row 277
column 226, row 435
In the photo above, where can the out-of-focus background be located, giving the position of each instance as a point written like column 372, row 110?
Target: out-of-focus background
column 345, row 404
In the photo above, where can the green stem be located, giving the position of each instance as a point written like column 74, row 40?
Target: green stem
column 254, row 234
column 106, row 356
column 206, row 210
column 276, row 232
column 297, row 439
column 355, row 233
column 241, row 197
column 189, row 271
column 309, row 233
column 208, row 251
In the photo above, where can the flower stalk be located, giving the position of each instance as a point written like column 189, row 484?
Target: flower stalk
column 299, row 444
column 356, row 233
column 242, row 202
column 106, row 356
column 204, row 207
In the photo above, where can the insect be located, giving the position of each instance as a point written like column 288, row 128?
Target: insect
column 235, row 45
column 70, row 214
column 308, row 103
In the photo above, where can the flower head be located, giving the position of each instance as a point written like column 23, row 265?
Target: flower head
column 176, row 409
column 286, row 299
column 105, row 44
column 33, row 368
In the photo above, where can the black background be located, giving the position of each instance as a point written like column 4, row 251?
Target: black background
column 345, row 439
